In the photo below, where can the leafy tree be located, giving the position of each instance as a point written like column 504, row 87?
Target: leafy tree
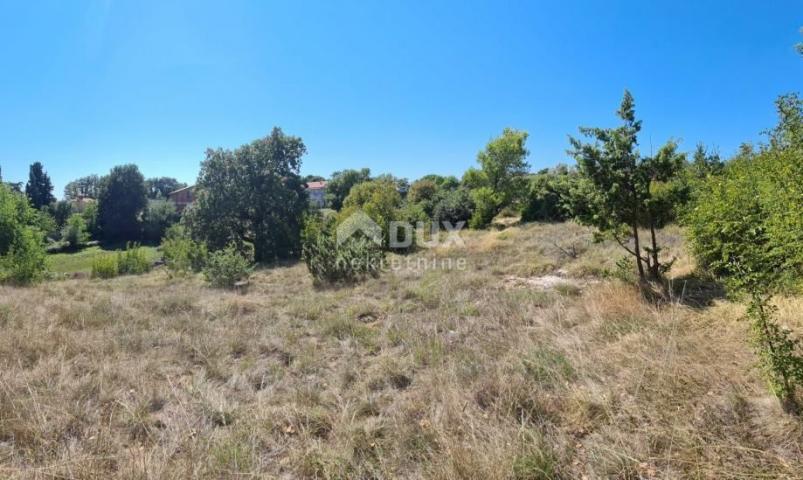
column 39, row 189
column 252, row 195
column 456, row 206
column 161, row 187
column 75, row 232
column 339, row 186
column 158, row 216
column 121, row 202
column 547, row 195
column 379, row 199
column 625, row 190
column 705, row 163
column 312, row 178
column 60, row 211
column 501, row 177
column 84, row 187
column 22, row 255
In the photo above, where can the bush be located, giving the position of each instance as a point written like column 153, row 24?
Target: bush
column 25, row 261
column 105, row 266
column 224, row 268
column 487, row 204
column 133, row 261
column 157, row 218
column 74, row 232
column 181, row 253
column 330, row 262
column 456, row 206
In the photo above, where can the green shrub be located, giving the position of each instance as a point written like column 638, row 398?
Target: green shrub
column 133, row 261
column 105, row 266
column 74, row 232
column 25, row 261
column 330, row 262
column 181, row 253
column 456, row 206
column 486, row 206
column 224, row 268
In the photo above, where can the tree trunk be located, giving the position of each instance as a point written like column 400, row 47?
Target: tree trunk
column 654, row 268
column 638, row 252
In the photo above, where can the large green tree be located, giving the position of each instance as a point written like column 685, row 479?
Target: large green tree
column 39, row 189
column 501, row 178
column 88, row 186
column 254, row 195
column 339, row 186
column 121, row 202
column 624, row 190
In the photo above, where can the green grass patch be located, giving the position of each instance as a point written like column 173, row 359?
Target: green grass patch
column 81, row 261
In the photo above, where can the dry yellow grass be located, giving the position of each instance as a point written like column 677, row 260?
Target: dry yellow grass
column 416, row 374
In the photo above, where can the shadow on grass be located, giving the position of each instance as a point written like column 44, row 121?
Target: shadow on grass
column 696, row 290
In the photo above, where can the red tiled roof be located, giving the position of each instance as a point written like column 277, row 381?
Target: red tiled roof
column 316, row 185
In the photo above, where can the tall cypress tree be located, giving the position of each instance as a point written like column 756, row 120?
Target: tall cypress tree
column 39, row 189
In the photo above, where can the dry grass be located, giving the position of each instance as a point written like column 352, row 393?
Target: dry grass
column 416, row 374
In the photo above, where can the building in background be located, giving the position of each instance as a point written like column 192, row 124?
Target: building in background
column 317, row 191
column 182, row 197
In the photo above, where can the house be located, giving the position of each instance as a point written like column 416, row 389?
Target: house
column 317, row 191
column 182, row 197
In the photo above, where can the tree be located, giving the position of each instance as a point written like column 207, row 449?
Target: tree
column 501, row 177
column 625, row 190
column 84, row 187
column 252, row 195
column 339, row 186
column 39, row 189
column 22, row 255
column 379, row 199
column 75, row 232
column 161, row 187
column 455, row 206
column 705, row 163
column 122, row 200
column 157, row 218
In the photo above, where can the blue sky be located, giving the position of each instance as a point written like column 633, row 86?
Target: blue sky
column 407, row 87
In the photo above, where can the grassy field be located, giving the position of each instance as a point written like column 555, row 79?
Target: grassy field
column 530, row 363
column 81, row 261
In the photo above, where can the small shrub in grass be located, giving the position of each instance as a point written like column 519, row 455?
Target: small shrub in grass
column 25, row 261
column 75, row 232
column 226, row 267
column 181, row 253
column 330, row 262
column 105, row 266
column 132, row 261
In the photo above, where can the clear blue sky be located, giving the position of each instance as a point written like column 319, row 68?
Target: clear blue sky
column 398, row 86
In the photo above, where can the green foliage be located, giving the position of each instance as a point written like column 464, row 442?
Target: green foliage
column 74, row 232
column 60, row 211
column 122, row 199
column 780, row 354
column 625, row 191
column 157, row 218
column 25, row 261
column 39, row 189
column 133, row 261
column 224, row 268
column 90, row 216
column 22, row 255
column 84, row 187
column 105, row 266
column 501, row 179
column 546, row 196
column 252, row 195
column 339, row 186
column 486, row 205
column 745, row 225
column 330, row 262
column 378, row 199
column 454, row 207
column 159, row 188
column 182, row 253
